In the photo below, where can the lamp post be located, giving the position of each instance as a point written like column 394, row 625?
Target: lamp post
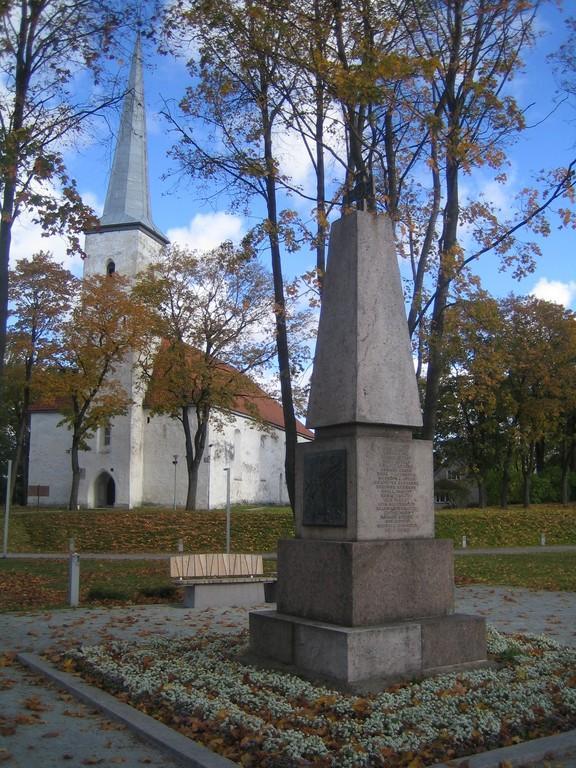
column 227, row 470
column 175, row 462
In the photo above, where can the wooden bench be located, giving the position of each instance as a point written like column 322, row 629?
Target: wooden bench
column 219, row 579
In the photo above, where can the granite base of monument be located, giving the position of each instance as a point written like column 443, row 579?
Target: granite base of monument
column 366, row 658
column 363, row 613
column 361, row 583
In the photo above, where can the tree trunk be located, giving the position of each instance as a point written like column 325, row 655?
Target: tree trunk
column 5, row 240
column 565, row 484
column 22, row 436
column 192, row 491
column 73, row 501
column 11, row 162
column 526, row 483
column 448, row 244
column 482, row 496
column 419, row 272
column 280, row 310
column 321, row 226
column 20, row 453
column 505, row 482
column 540, row 453
column 195, row 445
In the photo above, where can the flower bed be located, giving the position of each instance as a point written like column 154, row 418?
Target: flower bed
column 263, row 718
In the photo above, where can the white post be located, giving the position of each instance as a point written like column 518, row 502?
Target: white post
column 180, row 545
column 7, row 510
column 74, row 579
column 175, row 462
column 227, row 470
column 542, row 539
column 464, row 542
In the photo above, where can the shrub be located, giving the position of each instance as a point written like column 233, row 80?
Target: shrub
column 97, row 594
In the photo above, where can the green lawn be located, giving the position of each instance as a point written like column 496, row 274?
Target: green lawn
column 546, row 570
column 258, row 529
column 28, row 584
column 36, row 584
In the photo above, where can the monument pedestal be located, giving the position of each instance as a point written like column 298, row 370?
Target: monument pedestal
column 365, row 594
column 363, row 613
column 366, row 658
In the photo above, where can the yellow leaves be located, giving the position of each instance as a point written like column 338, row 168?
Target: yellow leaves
column 362, row 707
column 35, row 704
column 68, row 665
column 458, row 689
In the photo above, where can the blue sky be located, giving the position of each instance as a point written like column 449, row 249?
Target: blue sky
column 180, row 211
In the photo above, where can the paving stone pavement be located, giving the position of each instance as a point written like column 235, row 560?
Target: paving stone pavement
column 42, row 727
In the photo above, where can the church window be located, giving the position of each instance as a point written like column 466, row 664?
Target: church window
column 110, row 267
column 107, row 436
column 237, row 454
column 262, row 463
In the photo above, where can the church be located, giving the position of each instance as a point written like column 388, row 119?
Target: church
column 139, row 459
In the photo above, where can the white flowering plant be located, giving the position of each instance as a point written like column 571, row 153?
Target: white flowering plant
column 265, row 718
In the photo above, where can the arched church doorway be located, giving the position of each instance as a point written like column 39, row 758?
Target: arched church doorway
column 104, row 490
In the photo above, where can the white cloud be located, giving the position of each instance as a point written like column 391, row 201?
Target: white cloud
column 28, row 239
column 97, row 205
column 555, row 291
column 207, row 231
column 295, row 162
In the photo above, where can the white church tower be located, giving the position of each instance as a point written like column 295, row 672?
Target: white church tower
column 126, row 241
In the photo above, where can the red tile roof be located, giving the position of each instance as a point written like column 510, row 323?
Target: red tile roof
column 256, row 404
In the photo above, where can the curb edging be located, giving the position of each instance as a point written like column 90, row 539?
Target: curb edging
column 185, row 750
column 528, row 752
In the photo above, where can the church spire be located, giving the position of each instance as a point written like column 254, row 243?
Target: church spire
column 128, row 197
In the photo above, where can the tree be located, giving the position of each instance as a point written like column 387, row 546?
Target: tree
column 237, row 101
column 541, row 339
column 41, row 293
column 44, row 44
column 469, row 431
column 423, row 89
column 213, row 316
column 417, row 94
column 509, row 388
column 107, row 325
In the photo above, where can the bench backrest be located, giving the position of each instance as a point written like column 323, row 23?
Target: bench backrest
column 214, row 565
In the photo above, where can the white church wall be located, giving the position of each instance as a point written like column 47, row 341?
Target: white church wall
column 163, row 439
column 49, row 461
column 143, row 471
column 255, row 458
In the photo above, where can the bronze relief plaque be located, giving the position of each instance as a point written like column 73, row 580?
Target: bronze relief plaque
column 324, row 500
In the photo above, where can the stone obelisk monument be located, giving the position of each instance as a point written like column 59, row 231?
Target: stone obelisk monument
column 365, row 593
